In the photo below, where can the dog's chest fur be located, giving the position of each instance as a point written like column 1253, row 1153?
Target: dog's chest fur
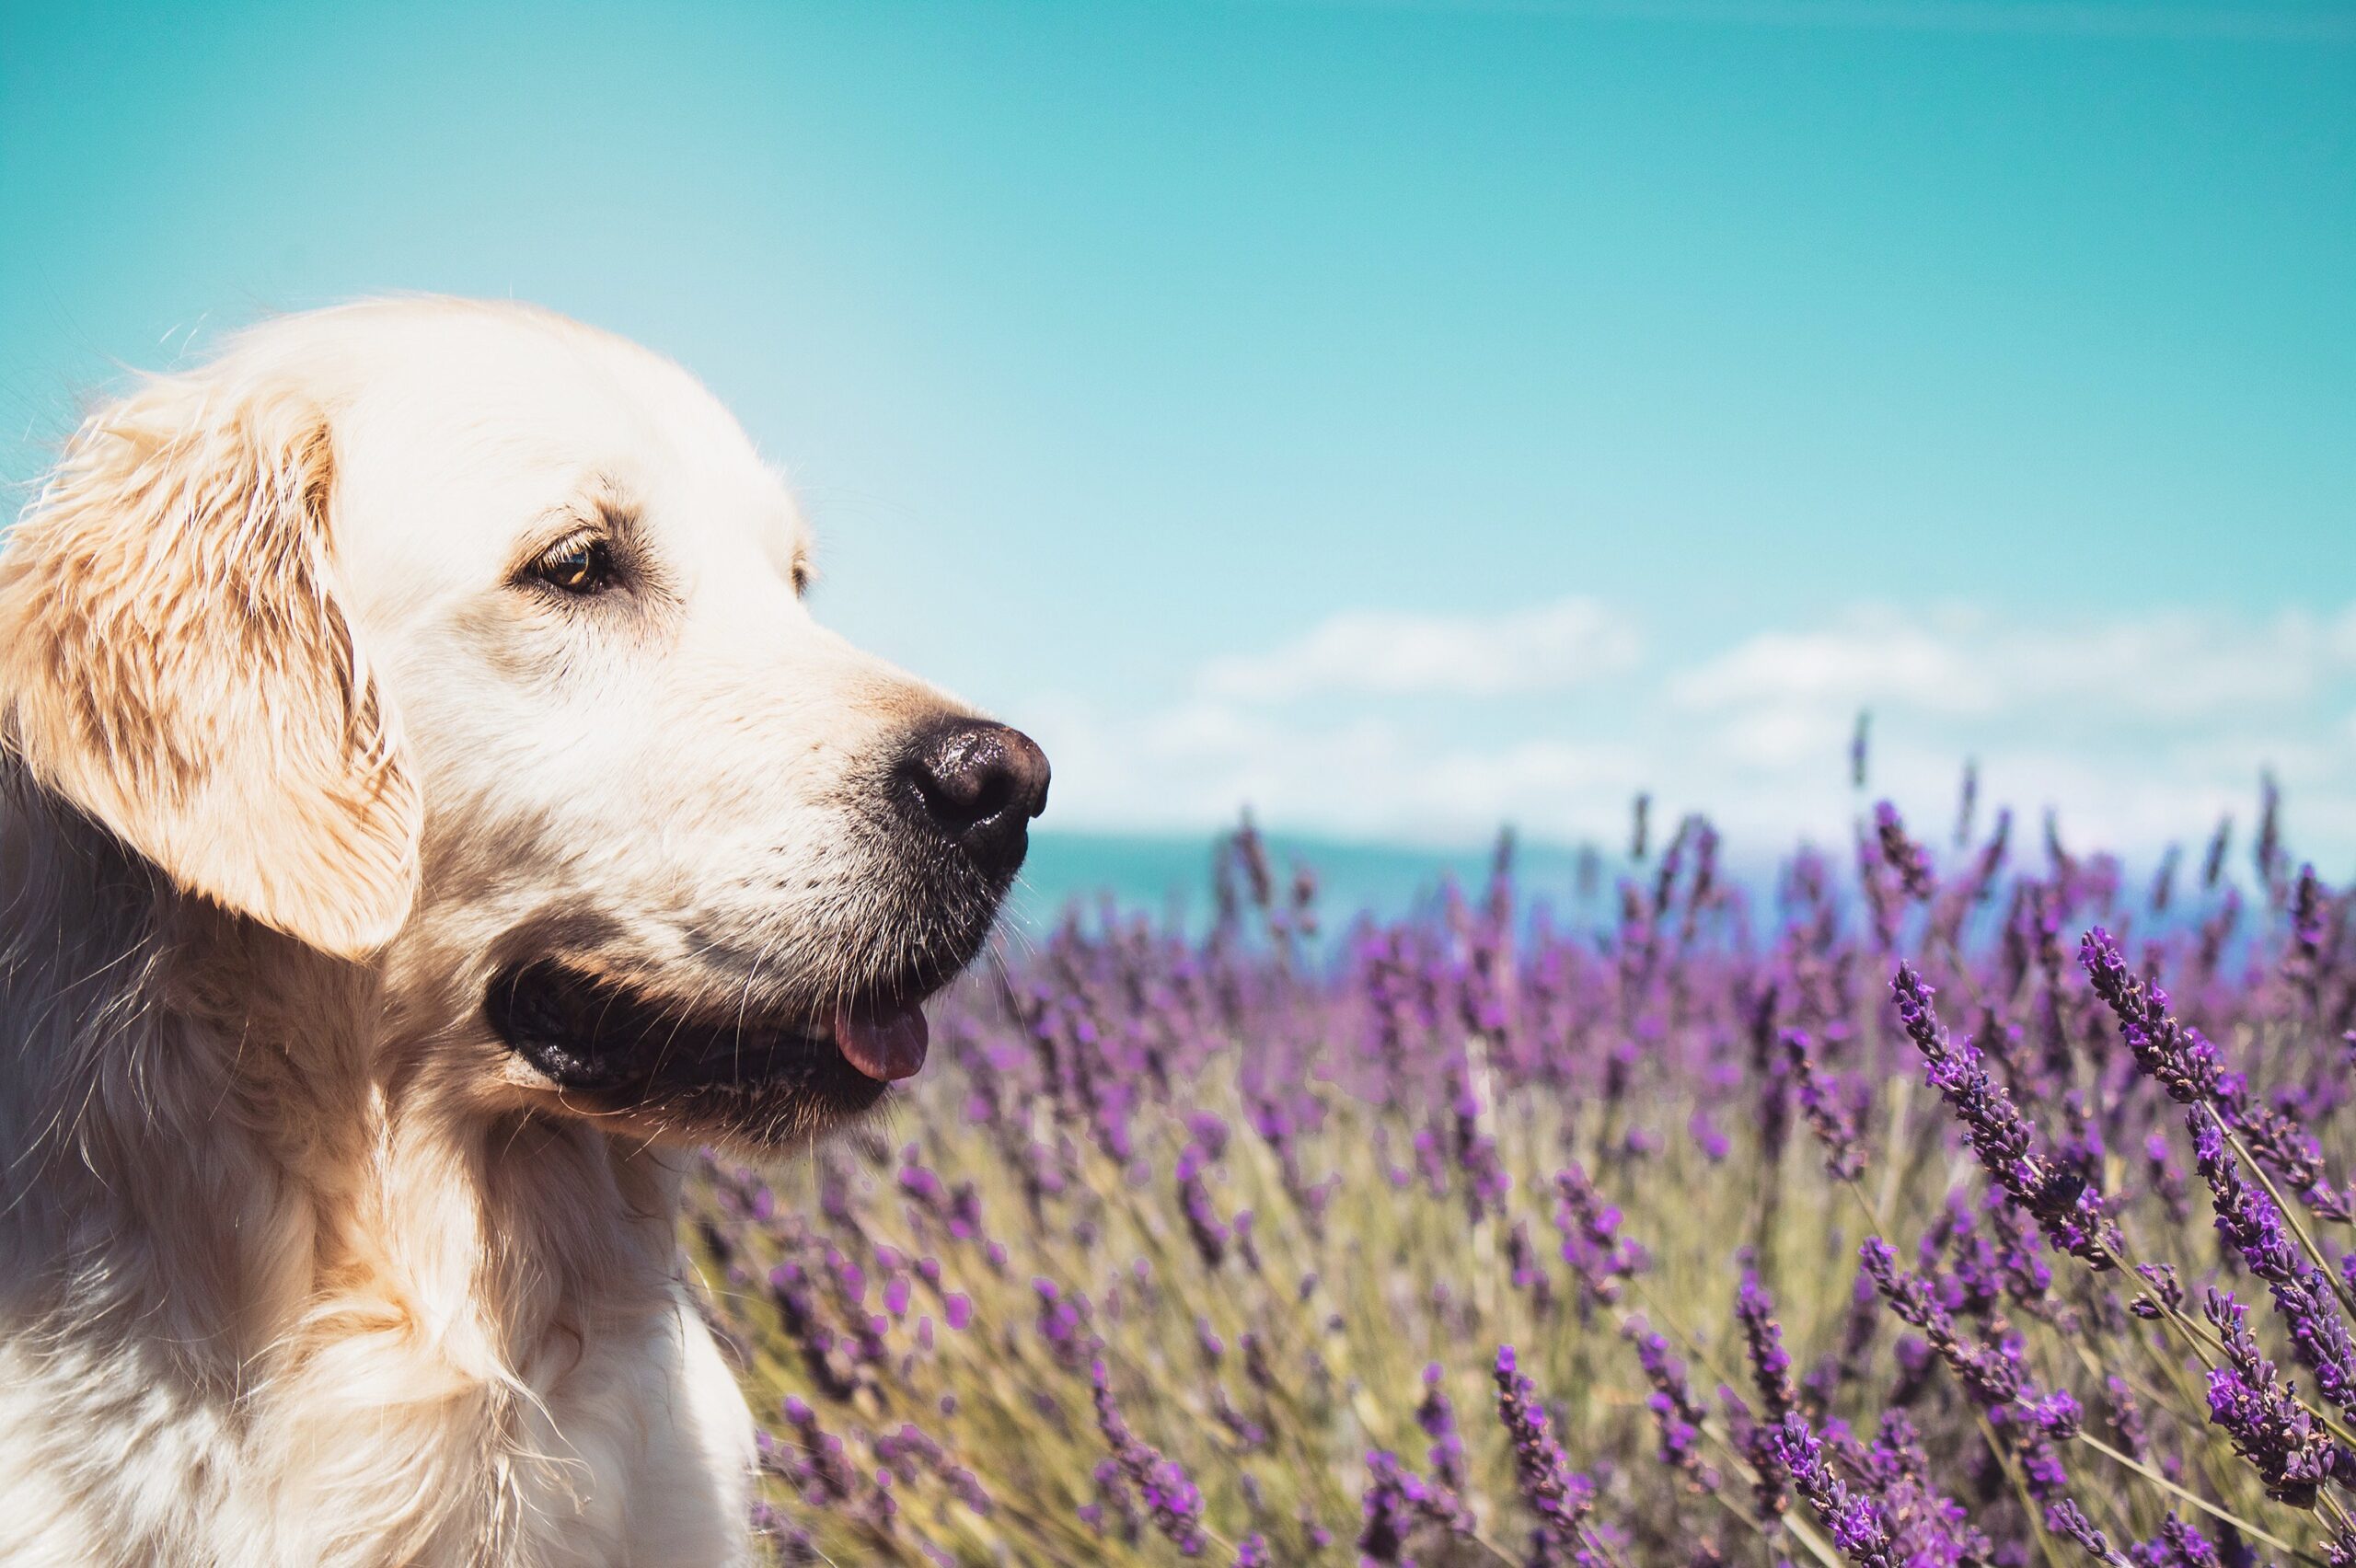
column 314, row 1313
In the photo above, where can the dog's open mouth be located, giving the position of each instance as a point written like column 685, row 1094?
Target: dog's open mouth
column 588, row 1033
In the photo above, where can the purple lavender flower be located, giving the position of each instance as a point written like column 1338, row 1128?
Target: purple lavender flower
column 2126, row 1416
column 2182, row 1062
column 1858, row 1527
column 1113, row 1511
column 2302, row 964
column 911, row 1449
column 1395, row 1502
column 1172, row 1501
column 1885, row 902
column 1771, row 1493
column 2280, row 1436
column 1714, row 1004
column 817, row 1463
column 1994, row 1372
column 1762, row 1342
column 2162, row 891
column 2276, row 1141
column 2267, row 853
column 1203, row 1226
column 2069, row 1207
column 2177, row 1545
column 1212, row 1348
column 1927, row 1526
column 1968, row 892
column 1675, row 1413
column 789, row 1540
column 2067, row 1519
column 1708, row 1137
column 1905, row 858
column 1064, row 1324
column 2304, row 1296
column 1389, row 1513
column 1528, row 1271
column 1592, row 1244
column 1437, row 1416
column 1560, row 1497
column 1831, row 1120
column 2213, row 863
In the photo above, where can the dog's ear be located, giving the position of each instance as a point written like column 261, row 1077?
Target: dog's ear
column 174, row 662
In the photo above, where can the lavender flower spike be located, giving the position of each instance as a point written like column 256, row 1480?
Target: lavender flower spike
column 1762, row 1340
column 1170, row 1498
column 1437, row 1416
column 2177, row 1058
column 2070, row 1211
column 1820, row 1096
column 1858, row 1527
column 2066, row 1519
column 2270, row 1427
column 1387, row 1507
column 1674, row 1411
column 2192, row 1071
column 2248, row 1220
column 1905, row 857
column 1557, row 1496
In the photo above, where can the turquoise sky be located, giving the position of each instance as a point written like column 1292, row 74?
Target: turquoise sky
column 1400, row 416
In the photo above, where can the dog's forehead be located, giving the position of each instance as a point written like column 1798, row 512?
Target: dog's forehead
column 461, row 430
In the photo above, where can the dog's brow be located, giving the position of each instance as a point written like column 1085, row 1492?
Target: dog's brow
column 801, row 544
column 601, row 498
column 608, row 496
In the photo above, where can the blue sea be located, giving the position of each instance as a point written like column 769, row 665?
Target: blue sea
column 1171, row 877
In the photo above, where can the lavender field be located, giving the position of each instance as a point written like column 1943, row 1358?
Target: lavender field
column 1944, row 1203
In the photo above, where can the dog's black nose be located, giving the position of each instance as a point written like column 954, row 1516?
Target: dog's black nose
column 978, row 785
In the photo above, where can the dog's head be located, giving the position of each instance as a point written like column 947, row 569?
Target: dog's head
column 470, row 643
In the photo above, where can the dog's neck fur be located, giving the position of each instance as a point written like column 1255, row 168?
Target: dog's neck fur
column 247, row 1241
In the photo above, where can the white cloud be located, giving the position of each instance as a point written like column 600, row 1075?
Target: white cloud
column 1877, row 657
column 1784, row 735
column 2167, row 665
column 2136, row 730
column 1396, row 653
column 1368, row 778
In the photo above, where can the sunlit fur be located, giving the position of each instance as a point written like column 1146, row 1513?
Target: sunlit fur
column 298, row 1266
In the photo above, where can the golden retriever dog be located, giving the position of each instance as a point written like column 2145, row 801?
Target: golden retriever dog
column 428, row 807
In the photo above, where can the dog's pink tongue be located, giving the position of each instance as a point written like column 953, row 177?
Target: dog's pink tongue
column 885, row 1040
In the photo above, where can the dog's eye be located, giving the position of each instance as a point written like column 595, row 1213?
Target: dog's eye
column 578, row 566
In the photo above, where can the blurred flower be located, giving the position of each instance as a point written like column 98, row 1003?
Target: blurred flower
column 1560, row 1497
column 1171, row 1499
column 1905, row 858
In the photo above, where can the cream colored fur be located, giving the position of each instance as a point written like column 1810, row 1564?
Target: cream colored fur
column 296, row 1265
